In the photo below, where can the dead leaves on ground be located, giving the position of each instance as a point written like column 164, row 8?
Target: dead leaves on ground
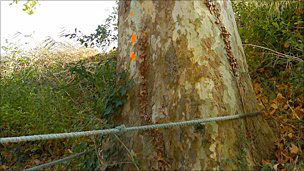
column 288, row 112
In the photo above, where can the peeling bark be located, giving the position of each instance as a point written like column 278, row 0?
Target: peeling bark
column 184, row 70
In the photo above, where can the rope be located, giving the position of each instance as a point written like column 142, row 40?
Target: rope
column 122, row 128
column 57, row 161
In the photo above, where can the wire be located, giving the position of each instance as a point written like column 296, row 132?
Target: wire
column 122, row 128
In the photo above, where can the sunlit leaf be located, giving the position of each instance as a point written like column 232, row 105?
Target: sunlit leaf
column 294, row 149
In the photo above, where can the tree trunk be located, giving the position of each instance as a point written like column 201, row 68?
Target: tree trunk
column 189, row 63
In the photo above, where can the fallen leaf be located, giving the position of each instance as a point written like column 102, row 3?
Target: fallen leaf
column 272, row 111
column 274, row 105
column 280, row 98
column 294, row 149
column 3, row 167
column 181, row 147
column 276, row 166
column 298, row 112
column 285, row 106
column 286, row 45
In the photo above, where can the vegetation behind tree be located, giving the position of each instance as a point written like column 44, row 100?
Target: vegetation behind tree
column 77, row 89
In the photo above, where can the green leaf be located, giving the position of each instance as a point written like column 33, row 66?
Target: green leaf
column 266, row 168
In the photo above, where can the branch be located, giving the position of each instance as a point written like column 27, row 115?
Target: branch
column 293, row 58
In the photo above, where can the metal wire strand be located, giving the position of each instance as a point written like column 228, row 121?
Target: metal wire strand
column 52, row 163
column 122, row 128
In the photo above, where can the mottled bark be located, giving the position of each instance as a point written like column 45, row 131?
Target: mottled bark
column 189, row 64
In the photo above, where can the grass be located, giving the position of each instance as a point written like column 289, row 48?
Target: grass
column 48, row 91
column 273, row 35
column 36, row 93
column 55, row 91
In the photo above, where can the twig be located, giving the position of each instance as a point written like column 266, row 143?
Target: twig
column 97, row 152
column 295, row 58
column 295, row 163
column 130, row 154
column 293, row 112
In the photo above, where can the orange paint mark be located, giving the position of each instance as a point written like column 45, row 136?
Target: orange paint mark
column 133, row 38
column 131, row 13
column 132, row 56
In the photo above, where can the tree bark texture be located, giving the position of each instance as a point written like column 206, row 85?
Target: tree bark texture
column 189, row 64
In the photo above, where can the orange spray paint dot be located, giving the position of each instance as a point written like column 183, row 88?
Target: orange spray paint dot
column 132, row 56
column 133, row 38
column 131, row 13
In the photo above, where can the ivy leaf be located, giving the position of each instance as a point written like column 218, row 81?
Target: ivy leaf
column 108, row 110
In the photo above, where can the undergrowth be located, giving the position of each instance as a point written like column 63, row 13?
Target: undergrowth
column 75, row 90
column 53, row 92
column 273, row 37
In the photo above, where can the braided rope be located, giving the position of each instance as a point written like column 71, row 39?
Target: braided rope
column 52, row 163
column 122, row 128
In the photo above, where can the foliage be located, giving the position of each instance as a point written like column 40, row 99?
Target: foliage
column 104, row 35
column 281, row 30
column 29, row 6
column 60, row 91
column 109, row 96
column 46, row 91
column 273, row 33
column 71, row 90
